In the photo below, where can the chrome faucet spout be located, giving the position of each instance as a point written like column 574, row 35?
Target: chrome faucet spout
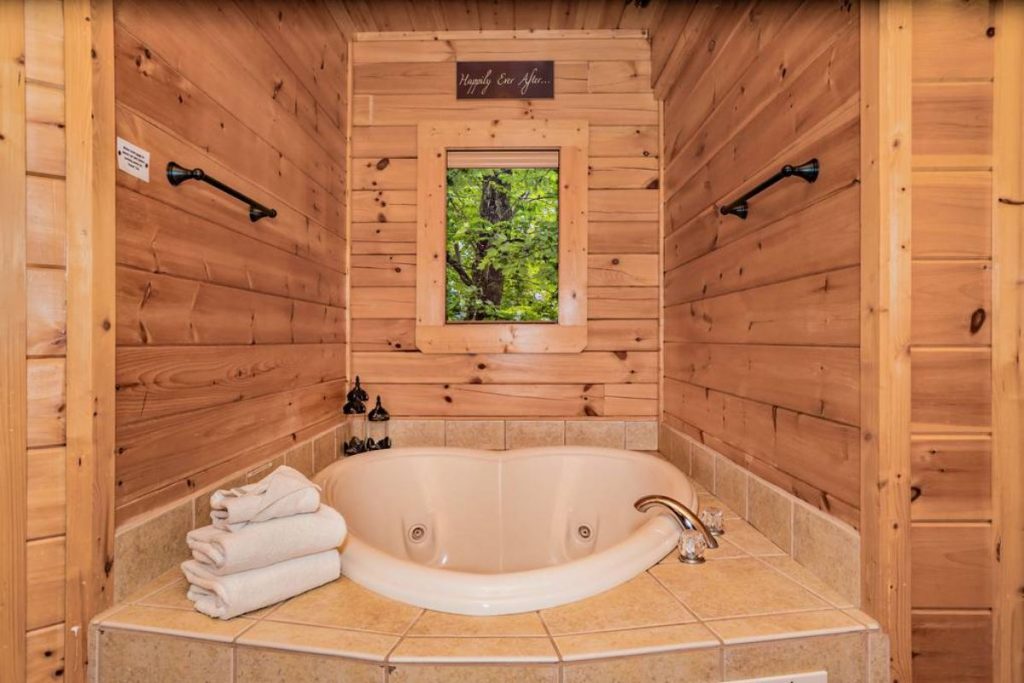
column 685, row 516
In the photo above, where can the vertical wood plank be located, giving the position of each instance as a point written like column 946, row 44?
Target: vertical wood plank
column 89, row 66
column 13, row 398
column 885, row 322
column 1007, row 370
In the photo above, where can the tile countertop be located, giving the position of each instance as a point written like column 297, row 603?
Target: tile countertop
column 749, row 591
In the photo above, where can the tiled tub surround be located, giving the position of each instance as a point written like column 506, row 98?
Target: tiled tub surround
column 147, row 547
column 827, row 547
column 749, row 611
column 635, row 435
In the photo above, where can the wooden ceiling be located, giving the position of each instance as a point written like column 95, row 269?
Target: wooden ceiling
column 354, row 16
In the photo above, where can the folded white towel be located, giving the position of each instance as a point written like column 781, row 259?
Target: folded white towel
column 225, row 597
column 283, row 492
column 258, row 545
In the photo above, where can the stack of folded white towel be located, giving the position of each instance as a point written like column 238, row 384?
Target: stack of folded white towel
column 269, row 541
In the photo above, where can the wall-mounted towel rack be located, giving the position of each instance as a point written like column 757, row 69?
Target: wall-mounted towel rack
column 177, row 174
column 808, row 171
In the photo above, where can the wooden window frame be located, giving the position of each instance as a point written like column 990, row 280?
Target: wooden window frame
column 433, row 333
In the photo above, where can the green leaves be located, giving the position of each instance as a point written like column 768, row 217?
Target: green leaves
column 502, row 245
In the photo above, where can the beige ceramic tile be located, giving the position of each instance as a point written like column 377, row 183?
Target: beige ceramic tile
column 737, row 587
column 844, row 657
column 417, row 433
column 794, row 570
column 485, row 434
column 601, row 433
column 770, row 511
column 750, row 539
column 419, row 673
column 147, row 550
column 301, row 458
column 635, row 641
column 707, row 500
column 780, row 626
column 173, row 596
column 176, row 622
column 170, row 576
column 878, row 658
column 325, row 451
column 533, row 433
column 829, row 548
column 703, row 466
column 262, row 666
column 675, row 448
column 443, row 624
column 639, row 602
column 474, row 650
column 642, row 435
column 129, row 657
column 344, row 604
column 731, row 484
column 319, row 640
column 863, row 618
column 690, row 666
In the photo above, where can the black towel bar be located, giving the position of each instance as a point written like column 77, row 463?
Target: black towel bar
column 808, row 171
column 177, row 174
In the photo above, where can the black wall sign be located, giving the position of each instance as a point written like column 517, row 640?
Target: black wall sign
column 505, row 80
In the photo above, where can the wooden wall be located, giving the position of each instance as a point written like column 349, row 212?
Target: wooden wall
column 761, row 353
column 952, row 545
column 56, row 354
column 45, row 333
column 604, row 79
column 231, row 335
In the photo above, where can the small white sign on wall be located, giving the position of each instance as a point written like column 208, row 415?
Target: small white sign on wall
column 133, row 160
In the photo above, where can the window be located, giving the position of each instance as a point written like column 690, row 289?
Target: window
column 501, row 257
column 501, row 242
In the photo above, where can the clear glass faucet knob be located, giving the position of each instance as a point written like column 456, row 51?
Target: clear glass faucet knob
column 714, row 519
column 692, row 546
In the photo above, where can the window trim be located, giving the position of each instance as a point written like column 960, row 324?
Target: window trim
column 433, row 333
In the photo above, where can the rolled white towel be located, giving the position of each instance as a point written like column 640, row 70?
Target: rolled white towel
column 228, row 596
column 258, row 545
column 283, row 492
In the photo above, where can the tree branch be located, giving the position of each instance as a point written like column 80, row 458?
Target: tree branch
column 457, row 267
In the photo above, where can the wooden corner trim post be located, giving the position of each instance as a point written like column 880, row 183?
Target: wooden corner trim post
column 1007, row 342
column 885, row 322
column 89, row 470
column 13, row 379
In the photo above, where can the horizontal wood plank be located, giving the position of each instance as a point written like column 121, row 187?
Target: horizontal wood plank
column 952, row 565
column 165, row 380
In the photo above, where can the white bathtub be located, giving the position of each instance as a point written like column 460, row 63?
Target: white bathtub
column 484, row 532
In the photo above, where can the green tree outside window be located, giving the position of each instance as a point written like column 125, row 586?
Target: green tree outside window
column 502, row 245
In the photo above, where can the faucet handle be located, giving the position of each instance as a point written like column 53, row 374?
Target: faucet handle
column 692, row 546
column 714, row 519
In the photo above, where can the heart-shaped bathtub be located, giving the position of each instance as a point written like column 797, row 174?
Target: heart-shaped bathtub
column 486, row 532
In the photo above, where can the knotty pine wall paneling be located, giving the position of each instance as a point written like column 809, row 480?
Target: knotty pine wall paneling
column 231, row 334
column 602, row 78
column 953, row 549
column 762, row 316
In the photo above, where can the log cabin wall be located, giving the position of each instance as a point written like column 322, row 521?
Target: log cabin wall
column 601, row 77
column 952, row 545
column 231, row 334
column 761, row 343
column 56, row 341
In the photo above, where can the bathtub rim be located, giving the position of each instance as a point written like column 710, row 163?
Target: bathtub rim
column 491, row 594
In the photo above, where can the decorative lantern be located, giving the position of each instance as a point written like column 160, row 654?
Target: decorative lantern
column 378, row 437
column 356, row 405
